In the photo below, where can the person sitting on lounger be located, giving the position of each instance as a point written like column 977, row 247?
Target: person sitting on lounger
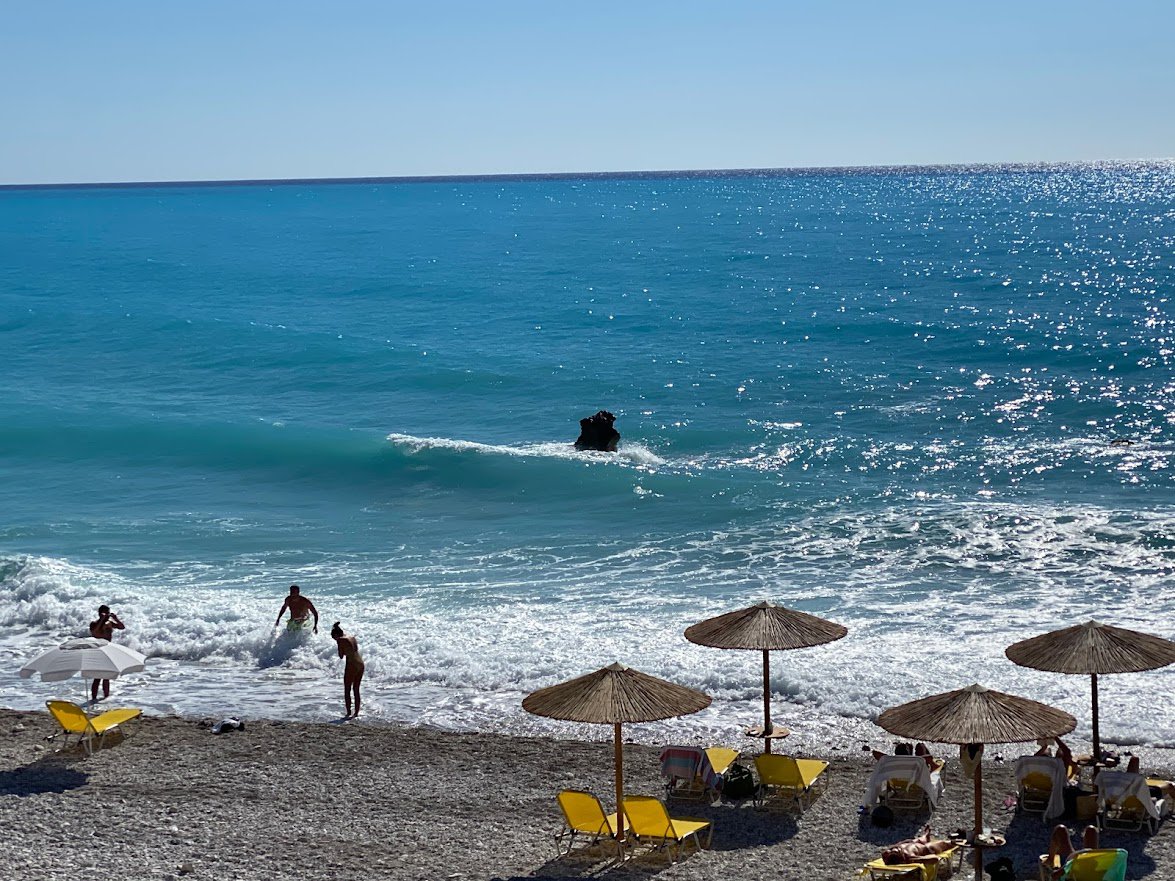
column 1159, row 789
column 1061, row 848
column 913, row 849
column 1061, row 752
column 905, row 749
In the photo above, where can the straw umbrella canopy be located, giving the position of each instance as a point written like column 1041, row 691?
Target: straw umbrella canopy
column 976, row 715
column 765, row 627
column 612, row 696
column 1092, row 648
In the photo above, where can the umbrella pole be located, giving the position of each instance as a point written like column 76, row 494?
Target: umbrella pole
column 978, row 817
column 766, row 701
column 1097, row 740
column 619, row 756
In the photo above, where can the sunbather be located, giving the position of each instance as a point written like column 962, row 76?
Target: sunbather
column 915, row 848
column 1061, row 848
column 1061, row 752
column 906, row 749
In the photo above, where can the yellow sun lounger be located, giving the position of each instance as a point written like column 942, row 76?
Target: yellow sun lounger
column 1125, row 803
column 73, row 720
column 782, row 776
column 583, row 815
column 649, row 821
column 925, row 869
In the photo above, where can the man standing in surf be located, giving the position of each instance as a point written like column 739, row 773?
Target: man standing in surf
column 104, row 628
column 300, row 611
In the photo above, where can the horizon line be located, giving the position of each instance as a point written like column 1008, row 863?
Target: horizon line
column 583, row 175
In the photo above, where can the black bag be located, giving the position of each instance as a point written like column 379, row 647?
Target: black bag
column 738, row 782
column 1001, row 870
column 881, row 816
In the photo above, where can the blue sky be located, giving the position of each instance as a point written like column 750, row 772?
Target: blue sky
column 117, row 91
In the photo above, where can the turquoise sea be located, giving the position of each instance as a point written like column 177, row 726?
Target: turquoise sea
column 897, row 398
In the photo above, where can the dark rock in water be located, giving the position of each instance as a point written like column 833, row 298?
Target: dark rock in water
column 596, row 433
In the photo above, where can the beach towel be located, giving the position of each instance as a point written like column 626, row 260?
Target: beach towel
column 911, row 769
column 689, row 763
column 1054, row 769
column 1115, row 787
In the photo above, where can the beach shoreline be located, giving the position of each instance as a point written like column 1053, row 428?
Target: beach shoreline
column 168, row 798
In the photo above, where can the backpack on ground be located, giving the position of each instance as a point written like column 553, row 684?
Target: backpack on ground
column 738, row 782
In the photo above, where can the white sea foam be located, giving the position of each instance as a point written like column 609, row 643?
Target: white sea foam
column 928, row 609
column 628, row 452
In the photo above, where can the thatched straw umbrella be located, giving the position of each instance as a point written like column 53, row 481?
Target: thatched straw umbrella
column 1092, row 648
column 974, row 716
column 612, row 696
column 765, row 627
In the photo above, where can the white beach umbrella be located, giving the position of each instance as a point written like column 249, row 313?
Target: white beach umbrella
column 91, row 658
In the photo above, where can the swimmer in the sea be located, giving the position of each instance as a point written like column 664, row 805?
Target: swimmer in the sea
column 300, row 611
column 353, row 670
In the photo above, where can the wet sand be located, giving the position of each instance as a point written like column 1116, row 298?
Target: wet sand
column 337, row 801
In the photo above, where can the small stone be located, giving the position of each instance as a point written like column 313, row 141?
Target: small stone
column 17, row 728
column 186, row 869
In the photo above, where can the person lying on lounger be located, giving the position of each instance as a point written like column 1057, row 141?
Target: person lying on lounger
column 914, row 849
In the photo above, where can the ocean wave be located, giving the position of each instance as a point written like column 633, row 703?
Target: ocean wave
column 931, row 594
column 629, row 453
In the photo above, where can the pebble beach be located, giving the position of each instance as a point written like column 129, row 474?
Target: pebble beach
column 167, row 798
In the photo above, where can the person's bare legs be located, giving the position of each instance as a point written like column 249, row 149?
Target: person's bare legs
column 347, row 693
column 1060, row 846
column 1089, row 838
column 105, row 688
column 355, row 686
column 94, row 689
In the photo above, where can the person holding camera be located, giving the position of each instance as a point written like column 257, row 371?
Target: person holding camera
column 104, row 628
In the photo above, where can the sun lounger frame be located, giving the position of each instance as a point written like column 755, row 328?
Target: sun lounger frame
column 927, row 867
column 96, row 726
column 668, row 838
column 810, row 781
column 606, row 829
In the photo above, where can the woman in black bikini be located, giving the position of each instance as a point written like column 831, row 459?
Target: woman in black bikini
column 353, row 671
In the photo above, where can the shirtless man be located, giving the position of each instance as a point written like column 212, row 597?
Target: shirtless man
column 915, row 849
column 300, row 611
column 353, row 670
column 104, row 628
